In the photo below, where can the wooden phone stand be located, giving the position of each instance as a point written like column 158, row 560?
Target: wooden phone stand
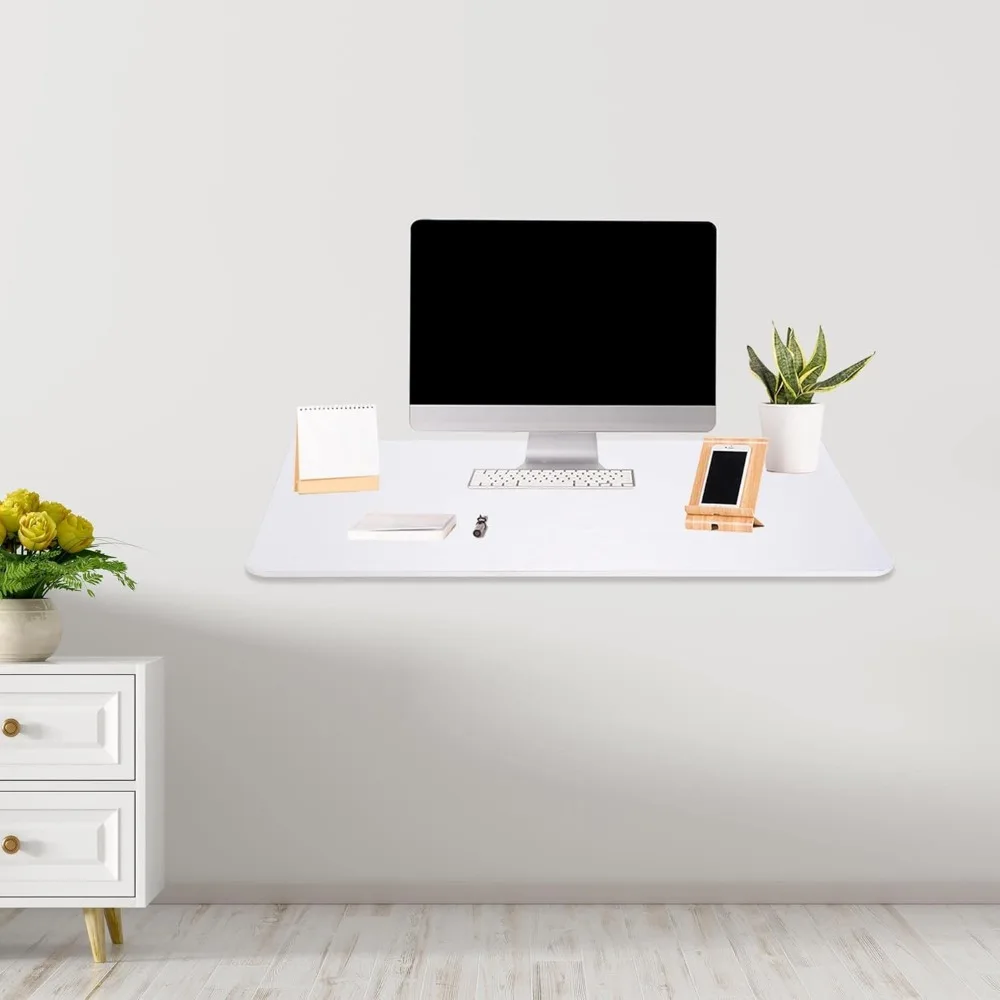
column 723, row 517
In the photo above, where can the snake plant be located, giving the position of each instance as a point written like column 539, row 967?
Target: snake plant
column 797, row 379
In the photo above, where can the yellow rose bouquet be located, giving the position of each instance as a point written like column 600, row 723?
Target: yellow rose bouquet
column 45, row 546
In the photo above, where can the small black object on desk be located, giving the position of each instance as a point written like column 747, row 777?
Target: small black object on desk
column 480, row 529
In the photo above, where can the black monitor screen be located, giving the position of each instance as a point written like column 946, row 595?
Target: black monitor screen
column 562, row 313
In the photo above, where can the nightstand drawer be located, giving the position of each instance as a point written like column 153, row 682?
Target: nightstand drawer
column 67, row 727
column 67, row 844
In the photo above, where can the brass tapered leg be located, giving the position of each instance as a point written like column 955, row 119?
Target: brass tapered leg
column 114, row 919
column 94, row 919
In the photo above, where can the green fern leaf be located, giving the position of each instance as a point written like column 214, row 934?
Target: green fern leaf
column 34, row 574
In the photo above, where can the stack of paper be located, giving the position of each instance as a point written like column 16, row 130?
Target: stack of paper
column 402, row 527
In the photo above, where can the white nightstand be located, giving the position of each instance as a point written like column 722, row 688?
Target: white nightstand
column 81, row 787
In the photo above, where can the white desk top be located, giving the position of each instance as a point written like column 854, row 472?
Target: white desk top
column 813, row 527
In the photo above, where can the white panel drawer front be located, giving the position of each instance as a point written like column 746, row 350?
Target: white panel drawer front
column 67, row 844
column 67, row 727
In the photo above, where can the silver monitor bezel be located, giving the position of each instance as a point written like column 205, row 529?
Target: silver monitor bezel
column 497, row 417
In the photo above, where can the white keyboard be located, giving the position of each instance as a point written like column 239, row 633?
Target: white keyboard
column 551, row 479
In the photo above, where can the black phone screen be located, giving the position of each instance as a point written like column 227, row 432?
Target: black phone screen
column 725, row 475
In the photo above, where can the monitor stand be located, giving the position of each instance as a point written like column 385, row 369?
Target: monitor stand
column 561, row 450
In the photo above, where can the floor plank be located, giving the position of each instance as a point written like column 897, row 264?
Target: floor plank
column 966, row 944
column 645, row 952
column 237, row 976
column 452, row 953
column 558, row 979
column 505, row 956
column 34, row 945
column 302, row 954
column 215, row 933
column 150, row 935
column 932, row 977
column 824, row 975
column 556, row 968
column 660, row 966
column 708, row 954
column 357, row 947
column 861, row 954
column 768, row 970
column 400, row 974
column 607, row 954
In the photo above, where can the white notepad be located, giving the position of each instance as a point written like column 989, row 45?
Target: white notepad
column 402, row 527
column 336, row 448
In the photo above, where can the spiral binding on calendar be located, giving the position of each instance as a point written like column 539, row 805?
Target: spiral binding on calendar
column 342, row 406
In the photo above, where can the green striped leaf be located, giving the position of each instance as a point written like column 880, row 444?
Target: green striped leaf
column 787, row 370
column 796, row 351
column 842, row 376
column 764, row 373
column 815, row 366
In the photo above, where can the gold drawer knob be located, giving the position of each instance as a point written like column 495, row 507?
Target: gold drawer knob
column 11, row 845
column 11, row 727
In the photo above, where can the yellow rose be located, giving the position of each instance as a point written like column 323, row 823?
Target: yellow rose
column 10, row 515
column 36, row 530
column 27, row 499
column 55, row 510
column 75, row 533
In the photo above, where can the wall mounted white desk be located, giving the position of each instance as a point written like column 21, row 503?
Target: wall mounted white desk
column 813, row 527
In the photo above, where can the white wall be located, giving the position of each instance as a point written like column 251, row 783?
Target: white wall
column 204, row 214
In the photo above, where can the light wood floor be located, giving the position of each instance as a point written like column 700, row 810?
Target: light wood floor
column 511, row 953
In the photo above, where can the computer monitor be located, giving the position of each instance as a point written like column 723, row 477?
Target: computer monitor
column 562, row 329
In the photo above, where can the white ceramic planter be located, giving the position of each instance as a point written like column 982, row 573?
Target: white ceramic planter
column 793, row 435
column 30, row 630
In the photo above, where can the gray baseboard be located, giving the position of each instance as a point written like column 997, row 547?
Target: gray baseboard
column 482, row 892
